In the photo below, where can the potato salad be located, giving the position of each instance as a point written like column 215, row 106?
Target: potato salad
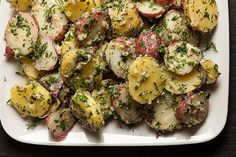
column 88, row 62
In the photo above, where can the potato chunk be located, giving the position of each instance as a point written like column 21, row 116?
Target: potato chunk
column 177, row 84
column 202, row 14
column 21, row 5
column 211, row 69
column 89, row 113
column 162, row 114
column 145, row 80
column 30, row 99
column 28, row 68
column 75, row 8
column 125, row 19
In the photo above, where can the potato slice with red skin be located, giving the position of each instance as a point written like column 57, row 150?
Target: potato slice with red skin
column 149, row 43
column 192, row 108
column 51, row 20
column 161, row 114
column 21, row 33
column 173, row 27
column 120, row 54
column 45, row 55
column 52, row 82
column 21, row 5
column 60, row 122
column 91, row 28
column 125, row 107
column 150, row 9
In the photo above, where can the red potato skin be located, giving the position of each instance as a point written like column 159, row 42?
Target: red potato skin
column 36, row 22
column 61, row 35
column 181, row 108
column 189, row 113
column 54, row 45
column 145, row 44
column 90, row 22
column 152, row 16
column 165, row 2
column 56, row 53
column 8, row 52
column 62, row 136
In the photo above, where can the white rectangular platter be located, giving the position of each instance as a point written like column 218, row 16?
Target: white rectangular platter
column 113, row 134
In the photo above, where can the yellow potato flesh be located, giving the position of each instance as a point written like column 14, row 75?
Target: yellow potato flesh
column 30, row 99
column 145, row 80
column 203, row 14
column 85, row 108
column 29, row 69
column 87, row 77
column 75, row 8
column 68, row 64
column 177, row 84
column 125, row 19
column 211, row 70
column 21, row 5
column 68, row 46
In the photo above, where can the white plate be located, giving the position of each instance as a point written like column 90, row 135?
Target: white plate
column 113, row 135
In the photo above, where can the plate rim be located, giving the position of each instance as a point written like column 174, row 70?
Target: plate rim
column 133, row 144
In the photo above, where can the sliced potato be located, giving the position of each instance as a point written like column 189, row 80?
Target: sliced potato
column 28, row 68
column 75, row 8
column 89, row 75
column 125, row 19
column 125, row 107
column 60, row 122
column 50, row 18
column 212, row 71
column 163, row 118
column 21, row 35
column 173, row 27
column 45, row 54
column 91, row 27
column 73, row 61
column 53, row 82
column 182, row 57
column 145, row 80
column 100, row 54
column 192, row 108
column 80, row 71
column 202, row 14
column 150, row 9
column 102, row 96
column 52, row 108
column 85, row 108
column 21, row 5
column 120, row 54
column 177, row 84
column 30, row 99
column 69, row 44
